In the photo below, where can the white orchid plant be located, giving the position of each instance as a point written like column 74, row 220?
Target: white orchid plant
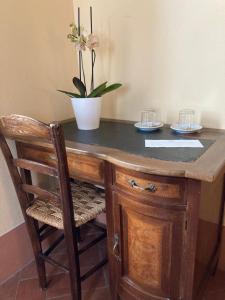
column 83, row 42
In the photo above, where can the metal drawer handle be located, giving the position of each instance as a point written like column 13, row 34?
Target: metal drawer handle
column 150, row 188
column 116, row 247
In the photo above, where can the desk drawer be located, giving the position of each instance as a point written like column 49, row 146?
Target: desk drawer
column 144, row 185
column 80, row 166
column 86, row 167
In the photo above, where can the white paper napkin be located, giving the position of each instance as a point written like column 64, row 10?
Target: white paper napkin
column 173, row 144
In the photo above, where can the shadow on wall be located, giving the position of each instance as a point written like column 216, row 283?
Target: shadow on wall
column 10, row 212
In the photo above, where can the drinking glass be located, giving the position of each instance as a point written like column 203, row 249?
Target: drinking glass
column 186, row 118
column 148, row 118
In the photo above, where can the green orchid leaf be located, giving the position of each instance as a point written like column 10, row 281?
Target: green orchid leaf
column 80, row 86
column 111, row 88
column 71, row 95
column 97, row 91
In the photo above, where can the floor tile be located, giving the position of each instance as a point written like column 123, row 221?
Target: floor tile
column 97, row 294
column 90, row 257
column 9, row 288
column 96, row 287
column 65, row 297
column 216, row 282
column 97, row 280
column 25, row 286
column 53, row 270
column 87, row 235
column 59, row 285
column 30, row 271
column 29, row 289
column 219, row 295
column 61, row 248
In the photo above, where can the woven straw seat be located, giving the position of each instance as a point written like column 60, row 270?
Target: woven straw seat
column 88, row 203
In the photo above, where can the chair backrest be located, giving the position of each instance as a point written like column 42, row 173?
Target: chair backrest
column 20, row 128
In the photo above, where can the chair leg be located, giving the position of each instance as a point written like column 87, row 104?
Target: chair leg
column 32, row 226
column 37, row 249
column 215, row 267
column 41, row 272
column 74, row 265
column 78, row 234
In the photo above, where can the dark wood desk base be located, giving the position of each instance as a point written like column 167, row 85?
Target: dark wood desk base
column 153, row 223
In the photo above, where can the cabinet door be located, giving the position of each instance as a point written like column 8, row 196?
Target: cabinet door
column 147, row 249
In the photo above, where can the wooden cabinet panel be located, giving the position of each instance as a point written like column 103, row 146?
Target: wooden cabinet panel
column 147, row 249
column 168, row 190
column 80, row 166
column 144, row 248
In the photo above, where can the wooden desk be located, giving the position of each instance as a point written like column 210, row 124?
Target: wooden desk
column 155, row 199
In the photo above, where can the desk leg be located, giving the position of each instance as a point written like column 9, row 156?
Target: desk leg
column 220, row 229
column 193, row 195
column 210, row 235
column 110, row 229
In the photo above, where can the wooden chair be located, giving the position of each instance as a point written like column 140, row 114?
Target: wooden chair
column 66, row 209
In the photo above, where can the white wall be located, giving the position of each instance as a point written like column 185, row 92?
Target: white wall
column 36, row 60
column 169, row 54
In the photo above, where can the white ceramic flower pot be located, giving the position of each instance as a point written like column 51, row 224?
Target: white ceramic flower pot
column 87, row 112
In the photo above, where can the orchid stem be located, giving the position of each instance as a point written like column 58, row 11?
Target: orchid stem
column 82, row 66
column 80, row 54
column 81, row 61
column 92, row 52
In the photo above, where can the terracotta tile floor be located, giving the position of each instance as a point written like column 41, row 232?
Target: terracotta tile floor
column 24, row 285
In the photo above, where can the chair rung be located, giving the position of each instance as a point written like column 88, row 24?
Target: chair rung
column 47, row 232
column 54, row 262
column 54, row 245
column 98, row 225
column 92, row 243
column 94, row 269
column 43, row 227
